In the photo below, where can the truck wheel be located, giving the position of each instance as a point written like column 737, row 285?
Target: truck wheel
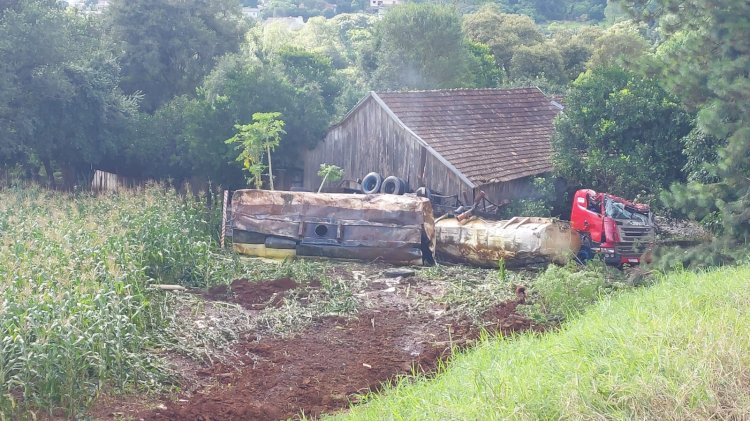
column 393, row 185
column 371, row 183
column 585, row 253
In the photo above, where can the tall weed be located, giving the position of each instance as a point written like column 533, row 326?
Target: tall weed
column 563, row 291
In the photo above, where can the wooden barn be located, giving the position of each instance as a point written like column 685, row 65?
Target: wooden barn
column 456, row 141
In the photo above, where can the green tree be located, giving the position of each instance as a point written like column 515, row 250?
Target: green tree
column 262, row 135
column 620, row 133
column 621, row 44
column 502, row 33
column 194, row 130
column 547, row 10
column 575, row 47
column 539, row 60
column 60, row 104
column 420, row 46
column 705, row 60
column 168, row 47
column 487, row 74
column 329, row 172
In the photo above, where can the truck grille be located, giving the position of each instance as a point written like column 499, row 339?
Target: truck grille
column 634, row 239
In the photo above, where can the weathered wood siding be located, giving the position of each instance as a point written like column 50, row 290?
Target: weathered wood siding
column 441, row 180
column 521, row 188
column 370, row 140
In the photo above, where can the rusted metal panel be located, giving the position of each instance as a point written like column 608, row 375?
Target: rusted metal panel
column 518, row 241
column 397, row 229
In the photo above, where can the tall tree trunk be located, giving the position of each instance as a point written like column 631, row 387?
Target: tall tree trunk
column 50, row 173
column 270, row 169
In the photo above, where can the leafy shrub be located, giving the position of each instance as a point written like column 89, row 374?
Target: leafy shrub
column 563, row 291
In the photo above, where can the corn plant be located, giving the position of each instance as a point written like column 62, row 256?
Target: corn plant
column 76, row 316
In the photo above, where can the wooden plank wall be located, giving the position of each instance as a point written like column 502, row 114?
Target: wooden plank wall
column 370, row 140
column 521, row 188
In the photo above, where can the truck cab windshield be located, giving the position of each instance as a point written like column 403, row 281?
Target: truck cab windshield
column 619, row 211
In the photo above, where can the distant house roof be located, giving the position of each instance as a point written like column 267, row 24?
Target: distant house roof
column 488, row 135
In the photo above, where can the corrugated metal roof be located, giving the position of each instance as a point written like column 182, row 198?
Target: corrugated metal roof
column 489, row 135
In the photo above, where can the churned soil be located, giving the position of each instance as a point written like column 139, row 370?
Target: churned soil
column 252, row 295
column 326, row 366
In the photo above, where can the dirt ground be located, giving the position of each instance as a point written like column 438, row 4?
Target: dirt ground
column 401, row 328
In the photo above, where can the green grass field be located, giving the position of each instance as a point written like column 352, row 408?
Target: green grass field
column 678, row 350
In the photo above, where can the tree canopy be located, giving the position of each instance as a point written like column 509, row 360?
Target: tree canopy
column 168, row 47
column 621, row 133
column 705, row 59
column 420, row 46
column 60, row 101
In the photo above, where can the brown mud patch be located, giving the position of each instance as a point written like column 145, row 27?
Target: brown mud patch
column 253, row 295
column 325, row 367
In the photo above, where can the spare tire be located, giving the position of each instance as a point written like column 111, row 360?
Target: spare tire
column 371, row 183
column 393, row 185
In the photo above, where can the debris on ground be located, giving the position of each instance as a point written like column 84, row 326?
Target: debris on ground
column 329, row 341
column 399, row 272
column 670, row 229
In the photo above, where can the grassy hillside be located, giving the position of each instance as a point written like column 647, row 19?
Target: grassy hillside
column 679, row 350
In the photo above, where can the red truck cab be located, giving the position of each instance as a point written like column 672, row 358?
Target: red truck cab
column 618, row 230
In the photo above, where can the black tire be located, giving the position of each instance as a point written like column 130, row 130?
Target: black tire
column 392, row 185
column 404, row 186
column 372, row 183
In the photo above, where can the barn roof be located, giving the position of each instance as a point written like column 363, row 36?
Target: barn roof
column 487, row 135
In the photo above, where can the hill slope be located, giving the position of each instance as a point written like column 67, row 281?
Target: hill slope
column 678, row 350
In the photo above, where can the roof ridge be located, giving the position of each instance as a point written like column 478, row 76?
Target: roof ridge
column 517, row 88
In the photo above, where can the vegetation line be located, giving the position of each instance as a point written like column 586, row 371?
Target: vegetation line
column 678, row 350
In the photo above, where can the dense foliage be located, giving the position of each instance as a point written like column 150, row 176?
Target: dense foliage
column 169, row 47
column 545, row 10
column 421, row 47
column 60, row 100
column 621, row 133
column 705, row 59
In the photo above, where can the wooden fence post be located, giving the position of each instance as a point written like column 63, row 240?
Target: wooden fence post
column 224, row 220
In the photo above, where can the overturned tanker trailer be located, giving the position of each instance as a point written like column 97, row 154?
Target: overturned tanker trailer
column 395, row 229
column 518, row 241
column 281, row 224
